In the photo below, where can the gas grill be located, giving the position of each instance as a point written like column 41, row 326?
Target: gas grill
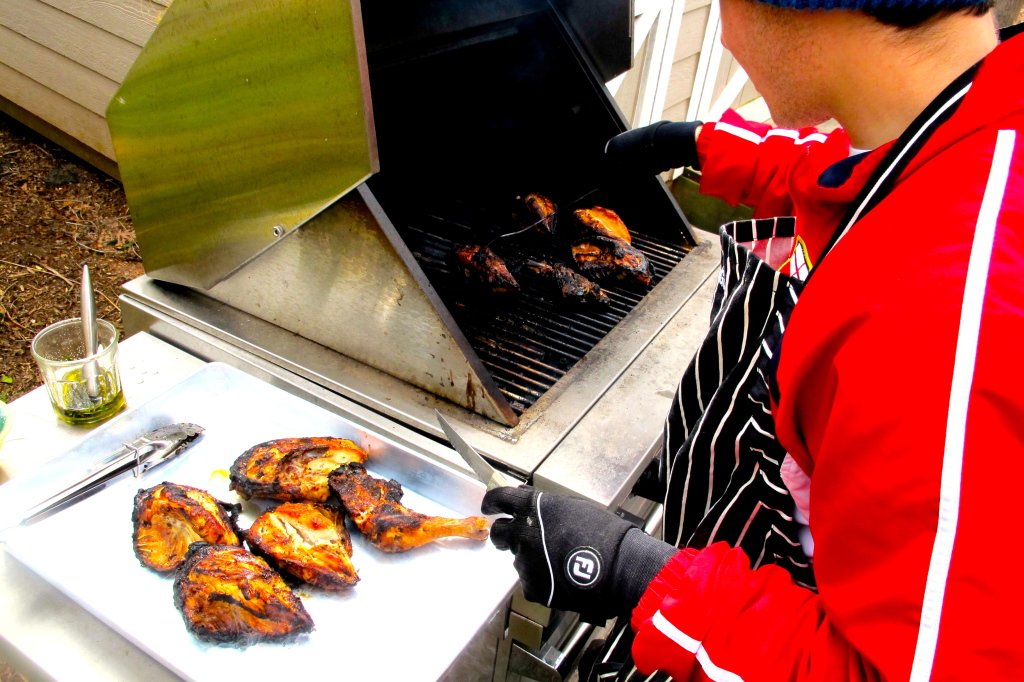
column 344, row 293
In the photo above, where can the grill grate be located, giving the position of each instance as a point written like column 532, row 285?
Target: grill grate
column 527, row 343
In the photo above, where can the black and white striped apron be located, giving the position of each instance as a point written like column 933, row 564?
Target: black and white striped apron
column 721, row 462
column 719, row 469
column 720, row 465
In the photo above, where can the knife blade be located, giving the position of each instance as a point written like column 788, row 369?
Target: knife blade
column 142, row 454
column 484, row 471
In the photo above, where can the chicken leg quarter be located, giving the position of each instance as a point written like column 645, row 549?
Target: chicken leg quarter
column 376, row 508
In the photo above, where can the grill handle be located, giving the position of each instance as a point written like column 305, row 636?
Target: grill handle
column 557, row 664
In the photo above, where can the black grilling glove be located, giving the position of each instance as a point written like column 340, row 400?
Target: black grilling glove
column 573, row 556
column 655, row 148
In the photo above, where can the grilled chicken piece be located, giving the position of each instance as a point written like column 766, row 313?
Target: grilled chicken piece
column 228, row 595
column 308, row 540
column 376, row 507
column 609, row 253
column 480, row 265
column 563, row 282
column 539, row 207
column 167, row 518
column 604, row 222
column 292, row 469
column 611, row 259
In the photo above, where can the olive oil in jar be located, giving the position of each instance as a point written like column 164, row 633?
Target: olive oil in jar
column 74, row 405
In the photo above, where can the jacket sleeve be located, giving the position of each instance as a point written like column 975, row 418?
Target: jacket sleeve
column 756, row 165
column 709, row 616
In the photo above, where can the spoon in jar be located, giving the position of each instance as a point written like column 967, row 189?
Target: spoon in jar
column 89, row 334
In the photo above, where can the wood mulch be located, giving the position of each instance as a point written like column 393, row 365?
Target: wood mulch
column 56, row 213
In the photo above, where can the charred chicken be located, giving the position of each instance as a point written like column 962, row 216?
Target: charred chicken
column 606, row 251
column 375, row 506
column 291, row 469
column 606, row 259
column 542, row 212
column 167, row 518
column 309, row 541
column 480, row 265
column 611, row 259
column 561, row 282
column 228, row 595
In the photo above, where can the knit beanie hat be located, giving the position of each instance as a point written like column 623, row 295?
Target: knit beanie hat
column 875, row 4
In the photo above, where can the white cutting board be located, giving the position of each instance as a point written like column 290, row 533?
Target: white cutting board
column 408, row 618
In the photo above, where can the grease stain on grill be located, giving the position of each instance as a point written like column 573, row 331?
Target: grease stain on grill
column 526, row 342
column 470, row 393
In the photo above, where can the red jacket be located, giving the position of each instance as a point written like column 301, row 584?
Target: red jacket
column 779, row 172
column 902, row 407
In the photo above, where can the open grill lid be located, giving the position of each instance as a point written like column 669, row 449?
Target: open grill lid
column 238, row 122
column 461, row 90
column 602, row 28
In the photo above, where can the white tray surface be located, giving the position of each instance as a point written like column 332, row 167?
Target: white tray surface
column 407, row 619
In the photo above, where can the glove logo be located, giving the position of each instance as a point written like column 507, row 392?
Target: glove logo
column 583, row 567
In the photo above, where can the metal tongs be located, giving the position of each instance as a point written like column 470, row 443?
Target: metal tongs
column 534, row 224
column 142, row 454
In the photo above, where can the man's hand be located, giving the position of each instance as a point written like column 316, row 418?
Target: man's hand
column 573, row 556
column 655, row 148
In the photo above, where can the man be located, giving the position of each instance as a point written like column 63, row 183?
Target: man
column 885, row 403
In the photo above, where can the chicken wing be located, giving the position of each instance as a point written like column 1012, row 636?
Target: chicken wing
column 291, row 469
column 480, row 265
column 375, row 506
column 308, row 540
column 604, row 222
column 167, row 518
column 564, row 283
column 228, row 595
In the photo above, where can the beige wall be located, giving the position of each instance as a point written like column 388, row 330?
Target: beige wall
column 684, row 68
column 687, row 54
column 62, row 60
